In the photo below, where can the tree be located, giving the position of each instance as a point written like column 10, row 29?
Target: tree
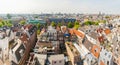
column 38, row 32
column 59, row 24
column 107, row 17
column 76, row 25
column 1, row 24
column 6, row 23
column 22, row 22
column 70, row 25
column 53, row 24
column 9, row 16
column 38, row 25
column 89, row 23
column 9, row 24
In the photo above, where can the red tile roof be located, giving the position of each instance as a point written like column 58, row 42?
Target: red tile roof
column 71, row 31
column 76, row 32
column 80, row 34
column 101, row 39
column 107, row 31
column 95, row 51
column 102, row 63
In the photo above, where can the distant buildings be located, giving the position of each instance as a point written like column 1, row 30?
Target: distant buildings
column 42, row 22
column 57, row 20
column 59, row 45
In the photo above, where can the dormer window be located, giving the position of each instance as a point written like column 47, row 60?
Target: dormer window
column 21, row 52
column 96, row 50
column 105, row 53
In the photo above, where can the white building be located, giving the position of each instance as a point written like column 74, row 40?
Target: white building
column 56, row 59
column 40, row 59
column 16, row 53
column 105, row 57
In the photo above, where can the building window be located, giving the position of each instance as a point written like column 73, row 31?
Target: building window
column 55, row 62
column 60, row 61
column 107, row 62
column 109, row 56
column 105, row 53
column 21, row 52
column 96, row 50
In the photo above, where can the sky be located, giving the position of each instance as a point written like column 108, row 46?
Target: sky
column 63, row 6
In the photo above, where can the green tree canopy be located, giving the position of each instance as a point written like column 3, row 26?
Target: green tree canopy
column 76, row 25
column 89, row 23
column 59, row 24
column 38, row 25
column 9, row 16
column 53, row 24
column 22, row 22
column 5, row 23
column 70, row 25
column 38, row 32
column 1, row 24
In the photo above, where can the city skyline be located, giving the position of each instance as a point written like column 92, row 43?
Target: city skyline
column 56, row 6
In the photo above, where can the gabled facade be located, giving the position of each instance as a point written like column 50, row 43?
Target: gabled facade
column 105, row 58
column 16, row 53
column 90, row 60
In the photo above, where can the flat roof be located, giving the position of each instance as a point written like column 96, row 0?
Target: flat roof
column 56, row 57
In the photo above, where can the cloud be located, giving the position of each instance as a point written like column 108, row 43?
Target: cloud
column 65, row 6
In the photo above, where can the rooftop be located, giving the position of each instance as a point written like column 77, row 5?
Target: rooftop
column 94, row 35
column 96, row 51
column 56, row 57
column 78, row 33
column 107, row 31
column 73, row 49
column 41, row 58
column 87, row 44
column 1, row 62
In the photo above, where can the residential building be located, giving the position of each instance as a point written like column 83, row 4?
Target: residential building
column 56, row 59
column 37, row 59
column 90, row 60
column 16, row 53
column 47, row 47
column 29, row 38
column 73, row 53
column 4, row 43
column 40, row 59
column 105, row 58
column 116, row 50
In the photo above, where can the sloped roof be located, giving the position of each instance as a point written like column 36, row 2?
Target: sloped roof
column 102, row 63
column 95, row 51
column 107, row 31
column 1, row 62
column 94, row 35
column 88, row 44
column 78, row 33
column 71, row 31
